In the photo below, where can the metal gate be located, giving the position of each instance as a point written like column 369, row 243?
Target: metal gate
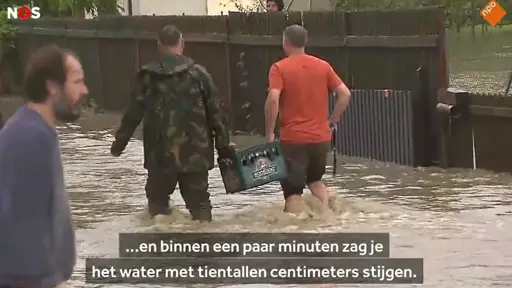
column 378, row 124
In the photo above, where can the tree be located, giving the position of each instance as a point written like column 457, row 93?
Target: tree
column 253, row 5
column 68, row 8
column 459, row 13
column 246, row 6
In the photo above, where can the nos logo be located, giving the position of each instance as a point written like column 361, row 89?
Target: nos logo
column 23, row 12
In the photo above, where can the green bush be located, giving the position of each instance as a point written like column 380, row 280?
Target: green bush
column 7, row 31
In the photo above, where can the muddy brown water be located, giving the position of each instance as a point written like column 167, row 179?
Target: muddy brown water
column 460, row 221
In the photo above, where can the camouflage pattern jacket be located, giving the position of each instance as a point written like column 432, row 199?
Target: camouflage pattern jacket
column 181, row 112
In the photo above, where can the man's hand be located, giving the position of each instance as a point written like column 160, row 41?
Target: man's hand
column 270, row 137
column 332, row 125
column 116, row 150
column 226, row 152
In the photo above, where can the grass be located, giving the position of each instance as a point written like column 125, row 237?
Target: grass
column 480, row 63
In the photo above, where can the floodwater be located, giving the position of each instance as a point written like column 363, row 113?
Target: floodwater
column 481, row 64
column 459, row 221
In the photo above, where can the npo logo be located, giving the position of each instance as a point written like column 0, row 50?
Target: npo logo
column 493, row 12
column 488, row 8
column 23, row 12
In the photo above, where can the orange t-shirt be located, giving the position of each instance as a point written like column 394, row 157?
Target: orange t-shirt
column 305, row 82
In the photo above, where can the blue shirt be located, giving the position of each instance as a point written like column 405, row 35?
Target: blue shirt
column 37, row 239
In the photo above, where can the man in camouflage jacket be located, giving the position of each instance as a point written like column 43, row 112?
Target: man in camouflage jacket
column 182, row 116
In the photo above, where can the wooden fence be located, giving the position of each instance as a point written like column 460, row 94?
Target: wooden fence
column 475, row 130
column 378, row 50
column 370, row 50
column 402, row 51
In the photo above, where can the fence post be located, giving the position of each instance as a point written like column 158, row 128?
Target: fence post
column 456, row 144
column 422, row 121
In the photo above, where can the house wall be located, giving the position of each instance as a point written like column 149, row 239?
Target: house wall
column 209, row 7
column 310, row 5
column 166, row 7
column 218, row 6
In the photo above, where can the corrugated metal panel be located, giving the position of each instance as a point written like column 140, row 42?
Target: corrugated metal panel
column 378, row 125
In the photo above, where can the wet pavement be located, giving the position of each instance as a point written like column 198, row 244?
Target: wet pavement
column 458, row 220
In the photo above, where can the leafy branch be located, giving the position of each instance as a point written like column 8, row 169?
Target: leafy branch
column 253, row 6
column 7, row 32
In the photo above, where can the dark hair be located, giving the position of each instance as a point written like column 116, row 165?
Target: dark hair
column 279, row 3
column 47, row 63
column 169, row 36
column 296, row 35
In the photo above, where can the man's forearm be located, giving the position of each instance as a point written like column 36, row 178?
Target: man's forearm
column 271, row 112
column 135, row 112
column 217, row 118
column 131, row 119
column 340, row 107
column 220, row 127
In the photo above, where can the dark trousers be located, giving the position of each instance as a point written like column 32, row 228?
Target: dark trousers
column 306, row 164
column 193, row 188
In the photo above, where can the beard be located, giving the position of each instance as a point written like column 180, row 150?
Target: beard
column 65, row 111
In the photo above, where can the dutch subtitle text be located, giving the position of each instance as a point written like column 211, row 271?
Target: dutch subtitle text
column 256, row 271
column 362, row 249
column 380, row 273
column 176, row 245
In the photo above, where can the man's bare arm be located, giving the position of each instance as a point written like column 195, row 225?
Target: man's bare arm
column 343, row 98
column 275, row 86
column 271, row 112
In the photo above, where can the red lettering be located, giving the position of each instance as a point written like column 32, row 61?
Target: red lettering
column 24, row 13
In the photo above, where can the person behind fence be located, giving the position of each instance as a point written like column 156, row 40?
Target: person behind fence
column 299, row 86
column 37, row 238
column 180, row 105
column 274, row 5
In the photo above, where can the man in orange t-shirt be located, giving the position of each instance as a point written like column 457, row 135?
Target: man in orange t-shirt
column 299, row 86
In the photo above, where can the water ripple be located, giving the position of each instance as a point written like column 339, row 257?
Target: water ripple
column 458, row 220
